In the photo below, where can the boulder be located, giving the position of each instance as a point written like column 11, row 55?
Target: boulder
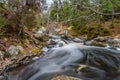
column 42, row 30
column 45, row 49
column 77, row 40
column 15, row 50
column 114, row 42
column 89, row 43
column 100, row 44
column 35, row 58
column 102, row 39
column 38, row 36
column 60, row 44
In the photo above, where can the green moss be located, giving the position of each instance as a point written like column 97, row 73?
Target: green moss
column 105, row 32
column 36, row 50
column 91, row 32
column 2, row 21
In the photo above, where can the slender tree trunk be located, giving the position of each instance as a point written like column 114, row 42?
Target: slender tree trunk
column 113, row 12
column 65, row 15
column 57, row 19
column 99, row 20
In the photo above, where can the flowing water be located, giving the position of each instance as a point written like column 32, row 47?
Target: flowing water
column 100, row 64
column 66, row 56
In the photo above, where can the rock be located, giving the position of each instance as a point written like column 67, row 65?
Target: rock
column 20, row 48
column 52, row 42
column 63, row 36
column 49, row 41
column 114, row 48
column 111, row 47
column 108, row 40
column 100, row 44
column 57, row 30
column 43, row 38
column 38, row 35
column 2, row 55
column 55, row 37
column 104, row 42
column 77, row 40
column 50, row 46
column 2, row 77
column 89, row 43
column 42, row 30
column 45, row 49
column 60, row 44
column 102, row 39
column 13, row 50
column 35, row 58
column 114, row 42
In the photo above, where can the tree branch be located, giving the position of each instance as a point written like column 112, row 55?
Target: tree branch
column 101, row 12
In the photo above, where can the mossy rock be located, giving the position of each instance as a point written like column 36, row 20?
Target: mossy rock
column 100, row 44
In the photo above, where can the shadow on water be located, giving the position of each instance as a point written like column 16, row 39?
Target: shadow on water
column 99, row 64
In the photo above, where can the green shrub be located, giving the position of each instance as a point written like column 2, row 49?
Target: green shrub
column 2, row 21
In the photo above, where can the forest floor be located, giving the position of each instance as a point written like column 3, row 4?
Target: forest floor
column 15, row 51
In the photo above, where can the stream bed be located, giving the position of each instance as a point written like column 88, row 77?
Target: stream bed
column 67, row 56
